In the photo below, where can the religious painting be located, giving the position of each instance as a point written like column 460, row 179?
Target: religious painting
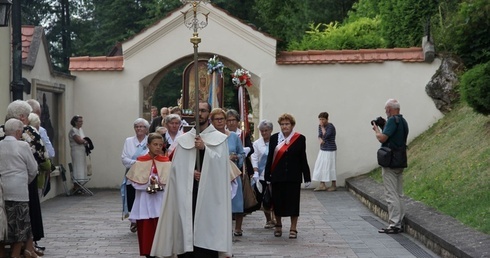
column 210, row 86
column 49, row 117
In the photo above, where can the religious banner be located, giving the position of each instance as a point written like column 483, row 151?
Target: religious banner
column 240, row 79
column 206, row 85
column 215, row 69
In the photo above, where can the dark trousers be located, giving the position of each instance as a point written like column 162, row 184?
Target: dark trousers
column 130, row 194
column 35, row 211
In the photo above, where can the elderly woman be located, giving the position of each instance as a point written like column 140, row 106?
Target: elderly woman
column 173, row 124
column 237, row 154
column 286, row 167
column 20, row 110
column 259, row 159
column 17, row 168
column 232, row 122
column 77, row 145
column 134, row 147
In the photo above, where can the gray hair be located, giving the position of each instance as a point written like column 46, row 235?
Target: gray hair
column 157, row 130
column 34, row 120
column 393, row 103
column 265, row 124
column 18, row 108
column 36, row 107
column 171, row 117
column 141, row 120
column 12, row 126
column 234, row 113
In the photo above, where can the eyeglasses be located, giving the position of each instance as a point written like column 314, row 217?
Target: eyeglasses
column 139, row 126
column 203, row 110
column 231, row 120
column 219, row 119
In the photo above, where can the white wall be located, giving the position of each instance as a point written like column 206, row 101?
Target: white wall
column 353, row 95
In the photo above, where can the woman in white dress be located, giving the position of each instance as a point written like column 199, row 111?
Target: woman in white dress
column 325, row 165
column 77, row 145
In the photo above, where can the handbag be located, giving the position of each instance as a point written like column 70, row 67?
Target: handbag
column 249, row 199
column 392, row 157
column 267, row 198
column 89, row 166
column 384, row 156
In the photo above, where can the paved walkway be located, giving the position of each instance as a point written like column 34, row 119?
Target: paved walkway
column 332, row 224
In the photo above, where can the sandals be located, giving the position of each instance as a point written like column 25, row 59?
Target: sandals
column 238, row 233
column 278, row 231
column 390, row 230
column 293, row 234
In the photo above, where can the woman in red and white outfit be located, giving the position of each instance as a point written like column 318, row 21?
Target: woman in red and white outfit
column 148, row 176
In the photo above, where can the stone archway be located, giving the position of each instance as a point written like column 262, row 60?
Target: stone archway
column 150, row 87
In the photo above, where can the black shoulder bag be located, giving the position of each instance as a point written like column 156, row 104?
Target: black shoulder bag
column 394, row 157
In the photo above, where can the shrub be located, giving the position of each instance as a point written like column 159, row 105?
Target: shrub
column 475, row 88
column 362, row 34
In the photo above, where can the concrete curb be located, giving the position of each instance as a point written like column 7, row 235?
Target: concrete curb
column 442, row 234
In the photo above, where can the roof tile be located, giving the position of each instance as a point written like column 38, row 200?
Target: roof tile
column 97, row 63
column 413, row 54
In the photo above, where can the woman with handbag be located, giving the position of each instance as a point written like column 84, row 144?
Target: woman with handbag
column 259, row 159
column 286, row 167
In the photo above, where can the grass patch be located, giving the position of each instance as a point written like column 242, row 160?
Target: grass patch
column 449, row 167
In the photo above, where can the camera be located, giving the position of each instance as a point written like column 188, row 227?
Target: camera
column 379, row 121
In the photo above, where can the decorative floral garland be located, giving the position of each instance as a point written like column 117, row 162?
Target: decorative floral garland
column 214, row 65
column 241, row 77
column 31, row 136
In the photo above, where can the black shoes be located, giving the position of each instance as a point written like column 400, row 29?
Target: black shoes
column 390, row 230
column 42, row 248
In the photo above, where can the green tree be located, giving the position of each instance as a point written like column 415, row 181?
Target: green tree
column 326, row 11
column 404, row 22
column 468, row 33
column 285, row 19
column 363, row 9
column 475, row 88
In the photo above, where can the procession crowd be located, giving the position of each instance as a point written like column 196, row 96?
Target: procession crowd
column 183, row 185
column 183, row 190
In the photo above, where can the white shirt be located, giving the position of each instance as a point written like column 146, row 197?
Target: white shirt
column 47, row 142
column 260, row 148
column 130, row 146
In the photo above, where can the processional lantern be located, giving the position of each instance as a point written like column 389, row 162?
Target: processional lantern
column 5, row 12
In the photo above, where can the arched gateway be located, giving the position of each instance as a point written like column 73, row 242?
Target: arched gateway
column 352, row 85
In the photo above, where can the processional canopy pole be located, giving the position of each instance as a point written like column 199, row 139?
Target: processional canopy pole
column 195, row 24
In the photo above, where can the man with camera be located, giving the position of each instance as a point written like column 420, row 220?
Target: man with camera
column 394, row 137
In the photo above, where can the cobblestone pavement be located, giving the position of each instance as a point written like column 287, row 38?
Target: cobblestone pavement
column 332, row 224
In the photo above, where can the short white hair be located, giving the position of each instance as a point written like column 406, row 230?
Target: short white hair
column 265, row 124
column 18, row 108
column 141, row 120
column 393, row 103
column 34, row 120
column 12, row 126
column 36, row 107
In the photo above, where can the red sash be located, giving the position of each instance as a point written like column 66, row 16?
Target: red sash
column 278, row 153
